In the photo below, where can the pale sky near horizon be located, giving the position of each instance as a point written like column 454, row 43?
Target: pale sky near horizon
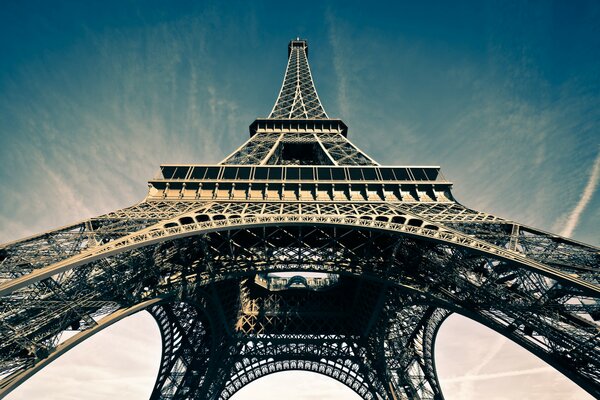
column 505, row 96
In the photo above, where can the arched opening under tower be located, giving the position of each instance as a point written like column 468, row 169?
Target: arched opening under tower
column 284, row 253
column 473, row 361
column 295, row 385
column 120, row 361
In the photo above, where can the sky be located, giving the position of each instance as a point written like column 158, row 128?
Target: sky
column 504, row 96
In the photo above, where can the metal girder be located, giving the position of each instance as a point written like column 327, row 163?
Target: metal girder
column 514, row 300
column 13, row 381
column 298, row 97
column 401, row 253
column 266, row 149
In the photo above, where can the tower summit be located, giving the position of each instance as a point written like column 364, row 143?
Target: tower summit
column 298, row 97
column 390, row 252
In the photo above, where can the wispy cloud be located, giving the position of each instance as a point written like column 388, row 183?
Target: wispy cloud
column 339, row 64
column 466, row 389
column 586, row 197
column 120, row 361
column 506, row 374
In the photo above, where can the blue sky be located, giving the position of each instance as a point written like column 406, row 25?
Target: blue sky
column 505, row 96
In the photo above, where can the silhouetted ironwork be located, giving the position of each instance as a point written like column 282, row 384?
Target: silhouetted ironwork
column 376, row 258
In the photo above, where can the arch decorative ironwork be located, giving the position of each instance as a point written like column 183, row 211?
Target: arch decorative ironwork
column 299, row 197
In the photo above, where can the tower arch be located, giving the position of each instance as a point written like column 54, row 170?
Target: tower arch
column 300, row 196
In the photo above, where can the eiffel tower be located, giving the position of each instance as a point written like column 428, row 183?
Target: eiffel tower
column 299, row 252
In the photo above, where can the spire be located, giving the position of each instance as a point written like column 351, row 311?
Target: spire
column 298, row 97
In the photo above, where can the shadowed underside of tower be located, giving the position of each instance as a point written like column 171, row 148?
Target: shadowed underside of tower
column 299, row 252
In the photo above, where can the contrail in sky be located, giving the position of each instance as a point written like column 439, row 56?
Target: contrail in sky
column 507, row 374
column 586, row 196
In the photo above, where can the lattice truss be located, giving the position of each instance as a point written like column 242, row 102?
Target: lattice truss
column 401, row 268
column 538, row 289
column 298, row 97
column 328, row 149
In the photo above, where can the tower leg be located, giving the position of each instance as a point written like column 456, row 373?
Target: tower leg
column 406, row 353
column 187, row 349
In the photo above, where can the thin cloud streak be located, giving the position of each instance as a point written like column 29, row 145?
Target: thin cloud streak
column 466, row 389
column 586, row 197
column 507, row 374
column 339, row 63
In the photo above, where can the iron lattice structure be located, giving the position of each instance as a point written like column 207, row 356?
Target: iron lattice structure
column 390, row 251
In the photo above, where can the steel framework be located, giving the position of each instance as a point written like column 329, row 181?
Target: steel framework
column 380, row 256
